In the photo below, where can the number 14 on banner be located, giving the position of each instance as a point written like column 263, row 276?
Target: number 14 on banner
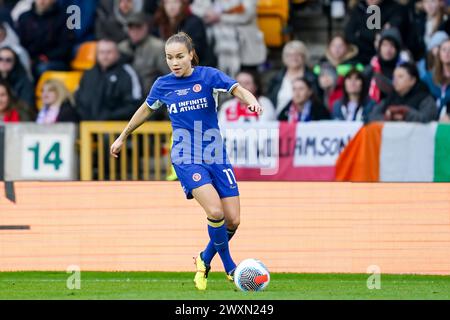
column 46, row 156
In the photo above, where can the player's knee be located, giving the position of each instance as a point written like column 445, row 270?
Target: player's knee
column 215, row 213
column 233, row 224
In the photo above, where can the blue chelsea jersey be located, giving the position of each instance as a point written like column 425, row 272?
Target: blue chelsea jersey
column 192, row 105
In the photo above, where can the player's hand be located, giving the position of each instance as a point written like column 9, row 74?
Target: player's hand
column 256, row 108
column 116, row 147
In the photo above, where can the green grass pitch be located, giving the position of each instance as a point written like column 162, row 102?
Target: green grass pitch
column 174, row 286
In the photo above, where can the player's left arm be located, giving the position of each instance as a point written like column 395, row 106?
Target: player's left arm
column 248, row 98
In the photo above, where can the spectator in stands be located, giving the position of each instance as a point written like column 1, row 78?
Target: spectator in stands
column 295, row 57
column 431, row 18
column 238, row 42
column 304, row 106
column 173, row 16
column 438, row 80
column 329, row 91
column 381, row 69
column 12, row 71
column 341, row 56
column 410, row 101
column 357, row 31
column 112, row 15
column 11, row 109
column 235, row 111
column 144, row 51
column 355, row 104
column 58, row 104
column 110, row 90
column 427, row 64
column 44, row 34
column 8, row 38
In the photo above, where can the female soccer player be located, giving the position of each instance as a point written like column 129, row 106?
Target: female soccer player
column 198, row 155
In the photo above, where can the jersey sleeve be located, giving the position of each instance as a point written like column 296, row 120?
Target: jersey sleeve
column 154, row 97
column 220, row 81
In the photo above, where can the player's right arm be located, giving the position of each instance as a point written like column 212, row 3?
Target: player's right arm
column 139, row 117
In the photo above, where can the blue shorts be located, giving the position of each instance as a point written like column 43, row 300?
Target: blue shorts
column 221, row 176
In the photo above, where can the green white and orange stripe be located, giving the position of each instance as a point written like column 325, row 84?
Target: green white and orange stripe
column 397, row 152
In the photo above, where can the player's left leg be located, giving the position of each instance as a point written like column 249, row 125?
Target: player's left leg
column 208, row 198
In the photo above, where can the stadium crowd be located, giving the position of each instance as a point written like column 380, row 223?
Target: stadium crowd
column 400, row 72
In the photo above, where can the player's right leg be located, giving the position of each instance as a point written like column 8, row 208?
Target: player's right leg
column 209, row 199
column 231, row 208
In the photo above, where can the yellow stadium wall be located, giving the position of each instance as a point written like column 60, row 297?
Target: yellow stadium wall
column 292, row 227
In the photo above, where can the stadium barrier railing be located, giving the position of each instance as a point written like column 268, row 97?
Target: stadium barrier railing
column 143, row 157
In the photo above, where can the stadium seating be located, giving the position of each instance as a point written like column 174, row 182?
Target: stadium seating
column 86, row 56
column 71, row 80
column 273, row 18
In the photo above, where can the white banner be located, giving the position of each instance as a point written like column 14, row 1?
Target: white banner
column 40, row 152
column 320, row 143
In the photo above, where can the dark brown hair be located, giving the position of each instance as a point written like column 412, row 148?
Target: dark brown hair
column 438, row 69
column 184, row 38
column 12, row 100
column 162, row 22
column 364, row 90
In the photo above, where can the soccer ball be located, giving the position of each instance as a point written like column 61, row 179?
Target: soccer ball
column 251, row 275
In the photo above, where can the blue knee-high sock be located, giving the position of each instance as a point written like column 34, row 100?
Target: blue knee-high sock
column 219, row 238
column 210, row 251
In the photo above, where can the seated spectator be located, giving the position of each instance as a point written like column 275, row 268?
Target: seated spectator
column 356, row 31
column 57, row 104
column 236, row 111
column 8, row 38
column 112, row 15
column 12, row 71
column 341, row 55
column 110, row 90
column 355, row 104
column 11, row 109
column 304, row 106
column 383, row 64
column 427, row 64
column 410, row 101
column 329, row 89
column 44, row 34
column 431, row 18
column 295, row 57
column 238, row 42
column 173, row 16
column 145, row 52
column 438, row 80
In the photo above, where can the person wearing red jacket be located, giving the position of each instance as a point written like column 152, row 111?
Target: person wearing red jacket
column 7, row 111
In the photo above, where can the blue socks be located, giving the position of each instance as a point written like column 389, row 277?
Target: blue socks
column 219, row 238
column 210, row 251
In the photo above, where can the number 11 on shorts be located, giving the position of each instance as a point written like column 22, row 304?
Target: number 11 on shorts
column 230, row 176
